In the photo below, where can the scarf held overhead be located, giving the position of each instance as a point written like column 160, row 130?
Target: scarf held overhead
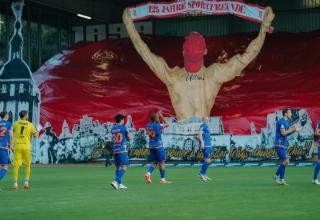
column 241, row 9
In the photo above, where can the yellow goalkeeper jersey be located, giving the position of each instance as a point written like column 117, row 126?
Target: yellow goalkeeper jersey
column 23, row 131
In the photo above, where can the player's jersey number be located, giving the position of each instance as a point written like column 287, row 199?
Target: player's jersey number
column 21, row 130
column 151, row 133
column 3, row 131
column 117, row 138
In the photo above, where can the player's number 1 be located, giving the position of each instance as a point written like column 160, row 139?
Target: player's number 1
column 21, row 131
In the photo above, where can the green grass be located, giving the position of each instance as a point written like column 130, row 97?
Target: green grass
column 84, row 192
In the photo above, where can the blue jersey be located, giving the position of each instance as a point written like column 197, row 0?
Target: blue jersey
column 154, row 131
column 5, row 129
column 119, row 134
column 281, row 140
column 205, row 135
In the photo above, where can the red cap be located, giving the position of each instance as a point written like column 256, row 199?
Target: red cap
column 194, row 47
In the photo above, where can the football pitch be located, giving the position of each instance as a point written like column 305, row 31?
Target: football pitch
column 84, row 192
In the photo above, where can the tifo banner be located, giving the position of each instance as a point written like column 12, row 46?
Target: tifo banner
column 90, row 139
column 18, row 88
column 210, row 7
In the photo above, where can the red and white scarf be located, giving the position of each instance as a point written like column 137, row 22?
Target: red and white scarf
column 238, row 8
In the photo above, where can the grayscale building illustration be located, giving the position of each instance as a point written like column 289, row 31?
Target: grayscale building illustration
column 88, row 138
column 18, row 90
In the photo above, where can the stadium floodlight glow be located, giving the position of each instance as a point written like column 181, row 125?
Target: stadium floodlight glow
column 84, row 16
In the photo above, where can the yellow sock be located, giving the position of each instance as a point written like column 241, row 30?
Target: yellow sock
column 15, row 173
column 28, row 171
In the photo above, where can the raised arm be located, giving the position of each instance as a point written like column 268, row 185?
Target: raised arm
column 289, row 131
column 232, row 68
column 156, row 63
column 128, row 137
column 317, row 133
column 164, row 122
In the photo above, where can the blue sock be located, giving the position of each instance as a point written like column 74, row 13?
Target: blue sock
column 316, row 171
column 283, row 171
column 2, row 173
column 279, row 170
column 151, row 169
column 116, row 178
column 120, row 175
column 204, row 168
column 162, row 174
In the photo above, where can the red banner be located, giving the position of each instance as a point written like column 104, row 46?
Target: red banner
column 104, row 78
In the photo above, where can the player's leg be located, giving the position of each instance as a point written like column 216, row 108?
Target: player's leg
column 277, row 174
column 285, row 164
column 3, row 171
column 151, row 168
column 4, row 162
column 115, row 183
column 316, row 170
column 285, row 161
column 122, row 171
column 147, row 176
column 206, row 161
column 17, row 162
column 281, row 167
column 124, row 158
column 26, row 157
column 161, row 158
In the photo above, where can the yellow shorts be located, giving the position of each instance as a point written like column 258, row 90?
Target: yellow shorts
column 21, row 155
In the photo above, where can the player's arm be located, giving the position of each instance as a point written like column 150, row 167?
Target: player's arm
column 164, row 122
column 34, row 132
column 317, row 133
column 156, row 63
column 290, row 130
column 227, row 71
column 201, row 138
column 14, row 127
column 11, row 139
column 128, row 135
column 36, row 135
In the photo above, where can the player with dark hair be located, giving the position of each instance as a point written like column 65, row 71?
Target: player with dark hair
column 205, row 145
column 23, row 130
column 283, row 129
column 120, row 136
column 157, row 152
column 6, row 143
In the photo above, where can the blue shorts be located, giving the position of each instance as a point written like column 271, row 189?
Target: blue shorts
column 207, row 152
column 4, row 157
column 318, row 152
column 282, row 153
column 121, row 159
column 157, row 155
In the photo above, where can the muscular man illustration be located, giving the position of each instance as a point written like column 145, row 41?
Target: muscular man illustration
column 194, row 88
